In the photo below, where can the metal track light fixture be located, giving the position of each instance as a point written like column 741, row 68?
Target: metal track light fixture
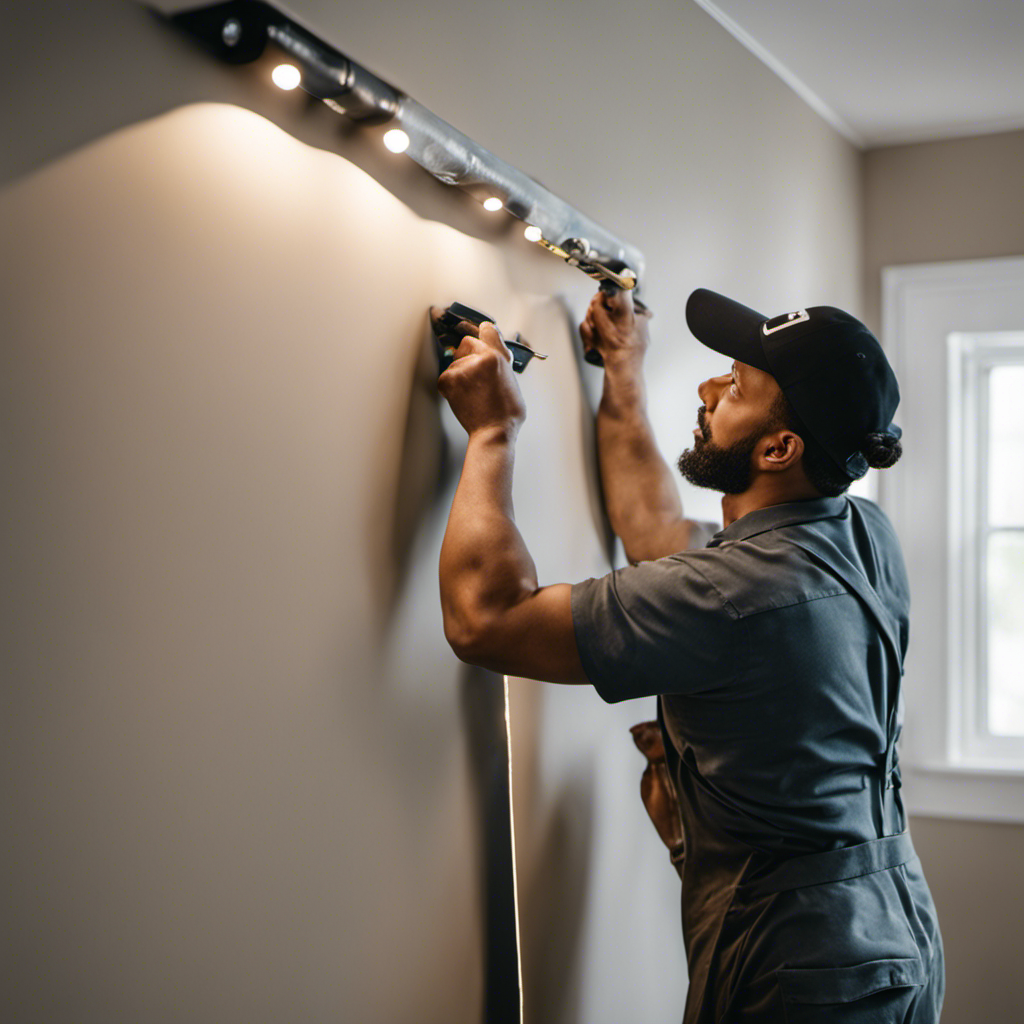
column 240, row 31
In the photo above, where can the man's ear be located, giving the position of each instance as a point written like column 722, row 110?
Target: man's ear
column 780, row 451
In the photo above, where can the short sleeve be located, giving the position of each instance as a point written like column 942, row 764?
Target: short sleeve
column 656, row 627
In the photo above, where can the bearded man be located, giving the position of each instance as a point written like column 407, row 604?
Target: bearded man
column 775, row 650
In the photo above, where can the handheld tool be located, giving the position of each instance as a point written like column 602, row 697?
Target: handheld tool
column 446, row 334
column 614, row 276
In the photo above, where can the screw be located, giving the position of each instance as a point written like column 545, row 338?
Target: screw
column 231, row 33
column 578, row 247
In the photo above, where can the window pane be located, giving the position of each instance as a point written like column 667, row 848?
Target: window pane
column 1006, row 446
column 1006, row 634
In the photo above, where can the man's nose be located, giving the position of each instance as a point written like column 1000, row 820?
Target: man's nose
column 709, row 390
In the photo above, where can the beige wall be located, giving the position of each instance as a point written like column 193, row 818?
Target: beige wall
column 954, row 200
column 959, row 199
column 680, row 151
column 973, row 869
column 245, row 765
column 241, row 751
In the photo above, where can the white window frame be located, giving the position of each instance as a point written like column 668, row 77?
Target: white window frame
column 947, row 772
column 971, row 359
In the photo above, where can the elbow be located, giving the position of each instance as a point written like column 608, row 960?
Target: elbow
column 642, row 551
column 468, row 638
column 462, row 642
column 478, row 641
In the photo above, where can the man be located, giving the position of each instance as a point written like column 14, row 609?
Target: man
column 776, row 651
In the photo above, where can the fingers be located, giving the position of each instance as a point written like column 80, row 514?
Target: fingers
column 604, row 322
column 613, row 311
column 597, row 315
column 439, row 324
column 465, row 327
column 466, row 346
column 491, row 336
column 488, row 338
column 587, row 334
column 618, row 302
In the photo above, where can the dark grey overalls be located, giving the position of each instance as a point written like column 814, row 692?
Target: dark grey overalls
column 778, row 655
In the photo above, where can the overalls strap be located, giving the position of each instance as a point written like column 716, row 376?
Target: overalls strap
column 838, row 565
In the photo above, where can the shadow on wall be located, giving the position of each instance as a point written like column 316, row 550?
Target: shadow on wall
column 430, row 466
column 557, row 904
column 428, row 470
column 483, row 710
column 552, row 909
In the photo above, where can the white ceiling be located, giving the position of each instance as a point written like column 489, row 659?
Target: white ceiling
column 891, row 71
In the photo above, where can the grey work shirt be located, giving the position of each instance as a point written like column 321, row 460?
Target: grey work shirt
column 777, row 699
column 741, row 634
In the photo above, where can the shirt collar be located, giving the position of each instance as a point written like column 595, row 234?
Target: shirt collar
column 762, row 520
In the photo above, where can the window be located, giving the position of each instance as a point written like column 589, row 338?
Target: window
column 955, row 335
column 986, row 535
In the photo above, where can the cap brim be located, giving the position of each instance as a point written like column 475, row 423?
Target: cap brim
column 727, row 327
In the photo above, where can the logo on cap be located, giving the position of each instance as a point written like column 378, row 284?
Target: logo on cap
column 780, row 323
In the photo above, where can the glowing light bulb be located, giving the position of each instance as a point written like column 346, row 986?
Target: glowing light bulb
column 396, row 140
column 286, row 76
column 533, row 233
column 493, row 204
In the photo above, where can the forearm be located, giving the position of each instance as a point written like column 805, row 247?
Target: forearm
column 640, row 491
column 485, row 567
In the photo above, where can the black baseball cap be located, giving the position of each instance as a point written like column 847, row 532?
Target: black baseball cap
column 827, row 363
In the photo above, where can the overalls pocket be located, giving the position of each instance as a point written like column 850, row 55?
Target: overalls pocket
column 879, row 992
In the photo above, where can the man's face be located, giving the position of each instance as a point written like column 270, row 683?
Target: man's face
column 736, row 414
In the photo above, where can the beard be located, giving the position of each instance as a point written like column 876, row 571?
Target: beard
column 707, row 464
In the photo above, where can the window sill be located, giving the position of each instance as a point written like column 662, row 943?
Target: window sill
column 981, row 791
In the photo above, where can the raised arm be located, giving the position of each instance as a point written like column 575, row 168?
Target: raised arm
column 495, row 614
column 639, row 487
